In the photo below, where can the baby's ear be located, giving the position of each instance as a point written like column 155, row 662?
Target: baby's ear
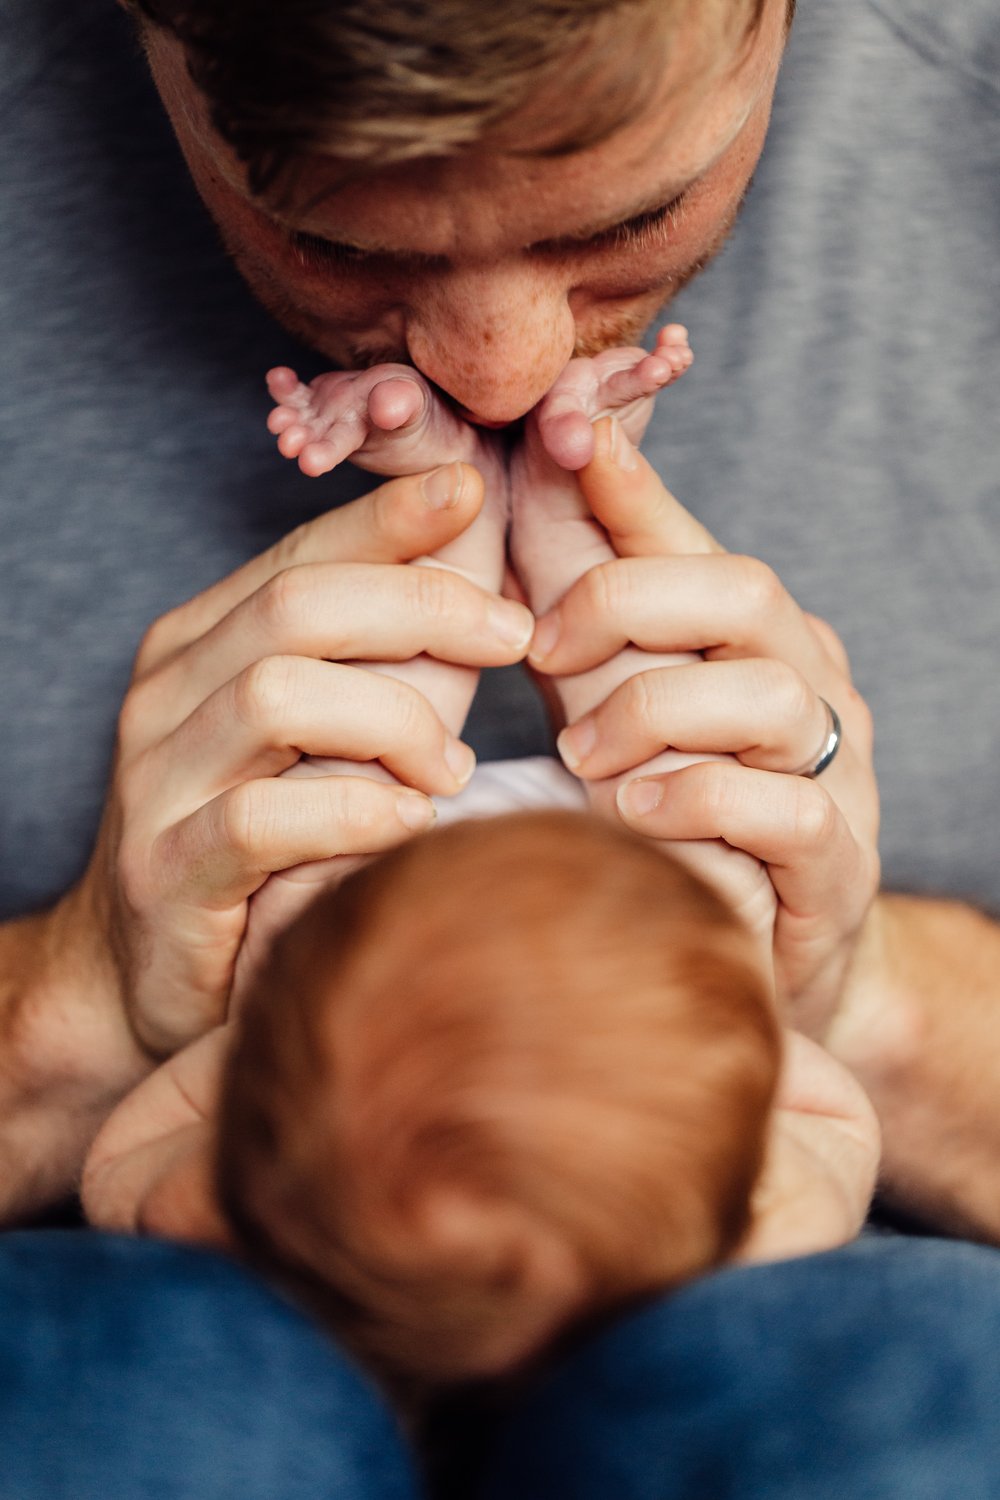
column 821, row 1159
column 182, row 1204
column 526, row 1278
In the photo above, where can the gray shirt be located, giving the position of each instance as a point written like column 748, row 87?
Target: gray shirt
column 840, row 420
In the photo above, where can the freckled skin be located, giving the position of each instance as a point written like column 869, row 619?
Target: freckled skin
column 480, row 215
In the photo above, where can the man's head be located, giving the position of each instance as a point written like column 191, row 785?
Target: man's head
column 504, row 1078
column 483, row 195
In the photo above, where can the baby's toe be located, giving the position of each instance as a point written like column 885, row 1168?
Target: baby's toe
column 293, row 440
column 282, row 383
column 674, row 360
column 672, row 345
column 672, row 335
column 568, row 438
column 394, row 402
column 665, row 365
column 281, row 418
column 677, row 351
column 318, row 458
column 644, row 378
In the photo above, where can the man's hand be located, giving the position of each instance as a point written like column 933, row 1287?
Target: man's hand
column 229, row 690
column 918, row 1026
column 755, row 697
column 232, row 688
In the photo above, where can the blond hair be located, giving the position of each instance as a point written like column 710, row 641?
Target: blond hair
column 376, row 82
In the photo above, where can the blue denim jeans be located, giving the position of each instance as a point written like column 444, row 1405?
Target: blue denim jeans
column 133, row 1370
column 136, row 1370
column 869, row 1373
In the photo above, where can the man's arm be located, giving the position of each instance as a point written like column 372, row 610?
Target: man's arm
column 67, row 1054
column 920, row 1028
column 229, row 691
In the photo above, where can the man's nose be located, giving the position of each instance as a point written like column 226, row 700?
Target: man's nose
column 494, row 339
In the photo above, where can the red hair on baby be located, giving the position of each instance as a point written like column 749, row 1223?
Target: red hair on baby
column 512, row 1074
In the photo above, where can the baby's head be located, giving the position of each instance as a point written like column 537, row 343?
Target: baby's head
column 505, row 1078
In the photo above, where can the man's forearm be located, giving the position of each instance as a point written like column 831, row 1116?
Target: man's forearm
column 921, row 1030
column 66, row 1056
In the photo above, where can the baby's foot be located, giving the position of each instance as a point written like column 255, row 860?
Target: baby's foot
column 387, row 419
column 619, row 382
column 554, row 538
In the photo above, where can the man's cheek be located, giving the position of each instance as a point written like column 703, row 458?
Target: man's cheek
column 612, row 323
column 322, row 292
column 659, row 268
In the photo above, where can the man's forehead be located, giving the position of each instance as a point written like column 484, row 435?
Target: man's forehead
column 503, row 189
column 436, row 205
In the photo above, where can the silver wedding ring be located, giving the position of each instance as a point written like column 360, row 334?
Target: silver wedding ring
column 831, row 744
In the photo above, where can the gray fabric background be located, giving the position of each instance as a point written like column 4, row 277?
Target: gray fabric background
column 840, row 421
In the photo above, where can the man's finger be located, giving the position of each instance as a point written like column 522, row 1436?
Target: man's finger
column 760, row 711
column 259, row 723
column 400, row 520
column 336, row 612
column 726, row 605
column 225, row 850
column 791, row 824
column 632, row 503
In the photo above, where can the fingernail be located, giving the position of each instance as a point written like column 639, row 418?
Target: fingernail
column 415, row 812
column 637, row 799
column 442, row 487
column 513, row 623
column 546, row 635
column 622, row 452
column 460, row 760
column 575, row 744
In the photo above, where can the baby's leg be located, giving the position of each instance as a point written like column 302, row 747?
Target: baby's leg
column 555, row 541
column 389, row 420
column 554, row 538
